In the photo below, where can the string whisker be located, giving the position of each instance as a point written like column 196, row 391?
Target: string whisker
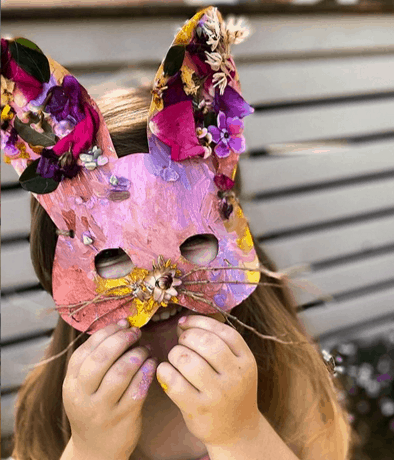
column 191, row 283
column 52, row 358
column 234, row 318
column 271, row 274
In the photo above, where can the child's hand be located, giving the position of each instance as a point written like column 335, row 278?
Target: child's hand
column 212, row 378
column 104, row 391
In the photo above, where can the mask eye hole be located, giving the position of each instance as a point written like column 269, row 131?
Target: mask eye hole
column 200, row 249
column 113, row 263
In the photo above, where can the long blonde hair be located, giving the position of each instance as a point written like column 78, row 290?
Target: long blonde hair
column 296, row 393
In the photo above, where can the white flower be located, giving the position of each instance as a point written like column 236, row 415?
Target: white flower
column 160, row 283
column 215, row 60
column 212, row 28
column 207, row 151
column 236, row 32
column 93, row 158
column 220, row 79
column 201, row 132
column 206, row 139
column 221, row 62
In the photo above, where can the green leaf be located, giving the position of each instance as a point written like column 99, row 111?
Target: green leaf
column 33, row 182
column 28, row 44
column 31, row 61
column 174, row 59
column 32, row 137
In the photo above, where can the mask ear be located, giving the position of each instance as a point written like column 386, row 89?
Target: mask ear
column 197, row 107
column 52, row 131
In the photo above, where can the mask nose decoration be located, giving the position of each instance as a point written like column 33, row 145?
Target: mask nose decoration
column 145, row 290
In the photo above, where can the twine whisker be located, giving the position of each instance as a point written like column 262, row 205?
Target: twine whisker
column 228, row 315
column 276, row 275
column 191, row 283
column 52, row 358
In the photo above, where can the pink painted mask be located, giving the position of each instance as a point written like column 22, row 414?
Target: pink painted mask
column 148, row 212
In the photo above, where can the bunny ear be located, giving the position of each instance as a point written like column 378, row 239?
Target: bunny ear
column 52, row 129
column 197, row 107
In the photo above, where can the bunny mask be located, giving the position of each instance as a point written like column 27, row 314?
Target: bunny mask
column 146, row 205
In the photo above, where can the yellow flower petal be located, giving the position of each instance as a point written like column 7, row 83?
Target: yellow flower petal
column 6, row 113
column 184, row 36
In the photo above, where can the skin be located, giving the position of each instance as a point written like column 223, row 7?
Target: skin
column 212, row 378
column 103, row 393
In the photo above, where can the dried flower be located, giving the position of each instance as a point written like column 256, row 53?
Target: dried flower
column 190, row 86
column 206, row 139
column 220, row 79
column 159, row 86
column 236, row 32
column 7, row 88
column 52, row 166
column 65, row 101
column 81, row 137
column 228, row 135
column 161, row 282
column 27, row 86
column 212, row 28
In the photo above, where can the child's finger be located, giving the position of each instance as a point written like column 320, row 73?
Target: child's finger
column 120, row 375
column 192, row 366
column 83, row 351
column 102, row 358
column 175, row 385
column 139, row 386
column 210, row 347
column 229, row 335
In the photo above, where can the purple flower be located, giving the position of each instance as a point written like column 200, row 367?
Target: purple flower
column 66, row 102
column 231, row 103
column 45, row 88
column 8, row 140
column 54, row 167
column 228, row 135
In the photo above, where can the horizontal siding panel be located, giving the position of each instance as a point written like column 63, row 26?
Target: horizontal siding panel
column 303, row 209
column 27, row 313
column 275, row 82
column 8, row 174
column 344, row 278
column 16, row 213
column 336, row 316
column 314, row 123
column 309, row 79
column 125, row 40
column 16, row 360
column 7, row 414
column 17, row 269
column 332, row 243
column 314, row 166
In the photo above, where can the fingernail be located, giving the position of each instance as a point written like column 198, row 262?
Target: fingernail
column 123, row 323
column 182, row 319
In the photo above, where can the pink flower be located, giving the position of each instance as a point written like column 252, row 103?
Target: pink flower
column 228, row 135
column 25, row 83
column 82, row 136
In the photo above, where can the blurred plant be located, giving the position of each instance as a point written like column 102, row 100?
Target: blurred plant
column 366, row 371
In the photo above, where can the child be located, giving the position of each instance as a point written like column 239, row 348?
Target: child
column 255, row 388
